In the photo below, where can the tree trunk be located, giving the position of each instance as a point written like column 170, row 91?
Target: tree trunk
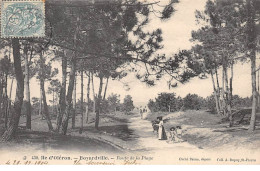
column 88, row 92
column 227, row 95
column 254, row 94
column 105, row 92
column 81, row 100
column 9, row 104
column 27, row 90
column 98, row 110
column 4, row 95
column 224, row 107
column 6, row 99
column 258, row 95
column 5, row 107
column 251, row 44
column 218, row 90
column 62, row 101
column 71, row 83
column 74, row 103
column 57, row 105
column 231, row 121
column 69, row 96
column 14, row 121
column 2, row 114
column 40, row 110
column 53, row 104
column 1, row 98
column 10, row 92
column 93, row 92
column 45, row 106
column 215, row 92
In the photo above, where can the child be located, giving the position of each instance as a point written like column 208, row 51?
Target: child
column 172, row 136
column 179, row 134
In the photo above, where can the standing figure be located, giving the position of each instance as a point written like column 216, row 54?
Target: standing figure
column 141, row 113
column 161, row 130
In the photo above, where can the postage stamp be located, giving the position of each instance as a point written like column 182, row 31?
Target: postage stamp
column 24, row 18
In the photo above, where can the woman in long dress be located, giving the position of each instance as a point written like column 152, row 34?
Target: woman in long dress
column 161, row 130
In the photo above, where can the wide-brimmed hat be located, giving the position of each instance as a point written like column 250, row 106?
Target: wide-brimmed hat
column 159, row 117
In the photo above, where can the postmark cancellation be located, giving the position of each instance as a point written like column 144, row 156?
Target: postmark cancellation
column 22, row 18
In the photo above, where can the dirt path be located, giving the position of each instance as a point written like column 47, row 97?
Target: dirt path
column 148, row 141
column 130, row 134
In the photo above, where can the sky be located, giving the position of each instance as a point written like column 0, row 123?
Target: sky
column 176, row 35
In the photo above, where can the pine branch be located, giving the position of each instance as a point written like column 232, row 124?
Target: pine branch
column 80, row 5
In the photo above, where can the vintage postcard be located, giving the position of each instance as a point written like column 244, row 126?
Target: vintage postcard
column 130, row 82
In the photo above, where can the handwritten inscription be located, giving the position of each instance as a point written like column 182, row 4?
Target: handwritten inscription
column 26, row 162
column 80, row 160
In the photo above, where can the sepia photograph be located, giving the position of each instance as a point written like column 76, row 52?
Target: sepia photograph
column 130, row 82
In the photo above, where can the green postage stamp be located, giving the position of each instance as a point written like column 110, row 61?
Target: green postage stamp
column 24, row 18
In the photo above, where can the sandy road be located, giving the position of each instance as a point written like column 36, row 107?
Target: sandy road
column 147, row 140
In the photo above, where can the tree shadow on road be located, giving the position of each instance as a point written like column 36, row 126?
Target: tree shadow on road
column 48, row 140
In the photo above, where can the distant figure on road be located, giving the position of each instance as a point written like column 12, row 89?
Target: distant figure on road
column 141, row 113
column 161, row 130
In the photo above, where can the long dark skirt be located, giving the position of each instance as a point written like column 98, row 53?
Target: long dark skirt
column 162, row 135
